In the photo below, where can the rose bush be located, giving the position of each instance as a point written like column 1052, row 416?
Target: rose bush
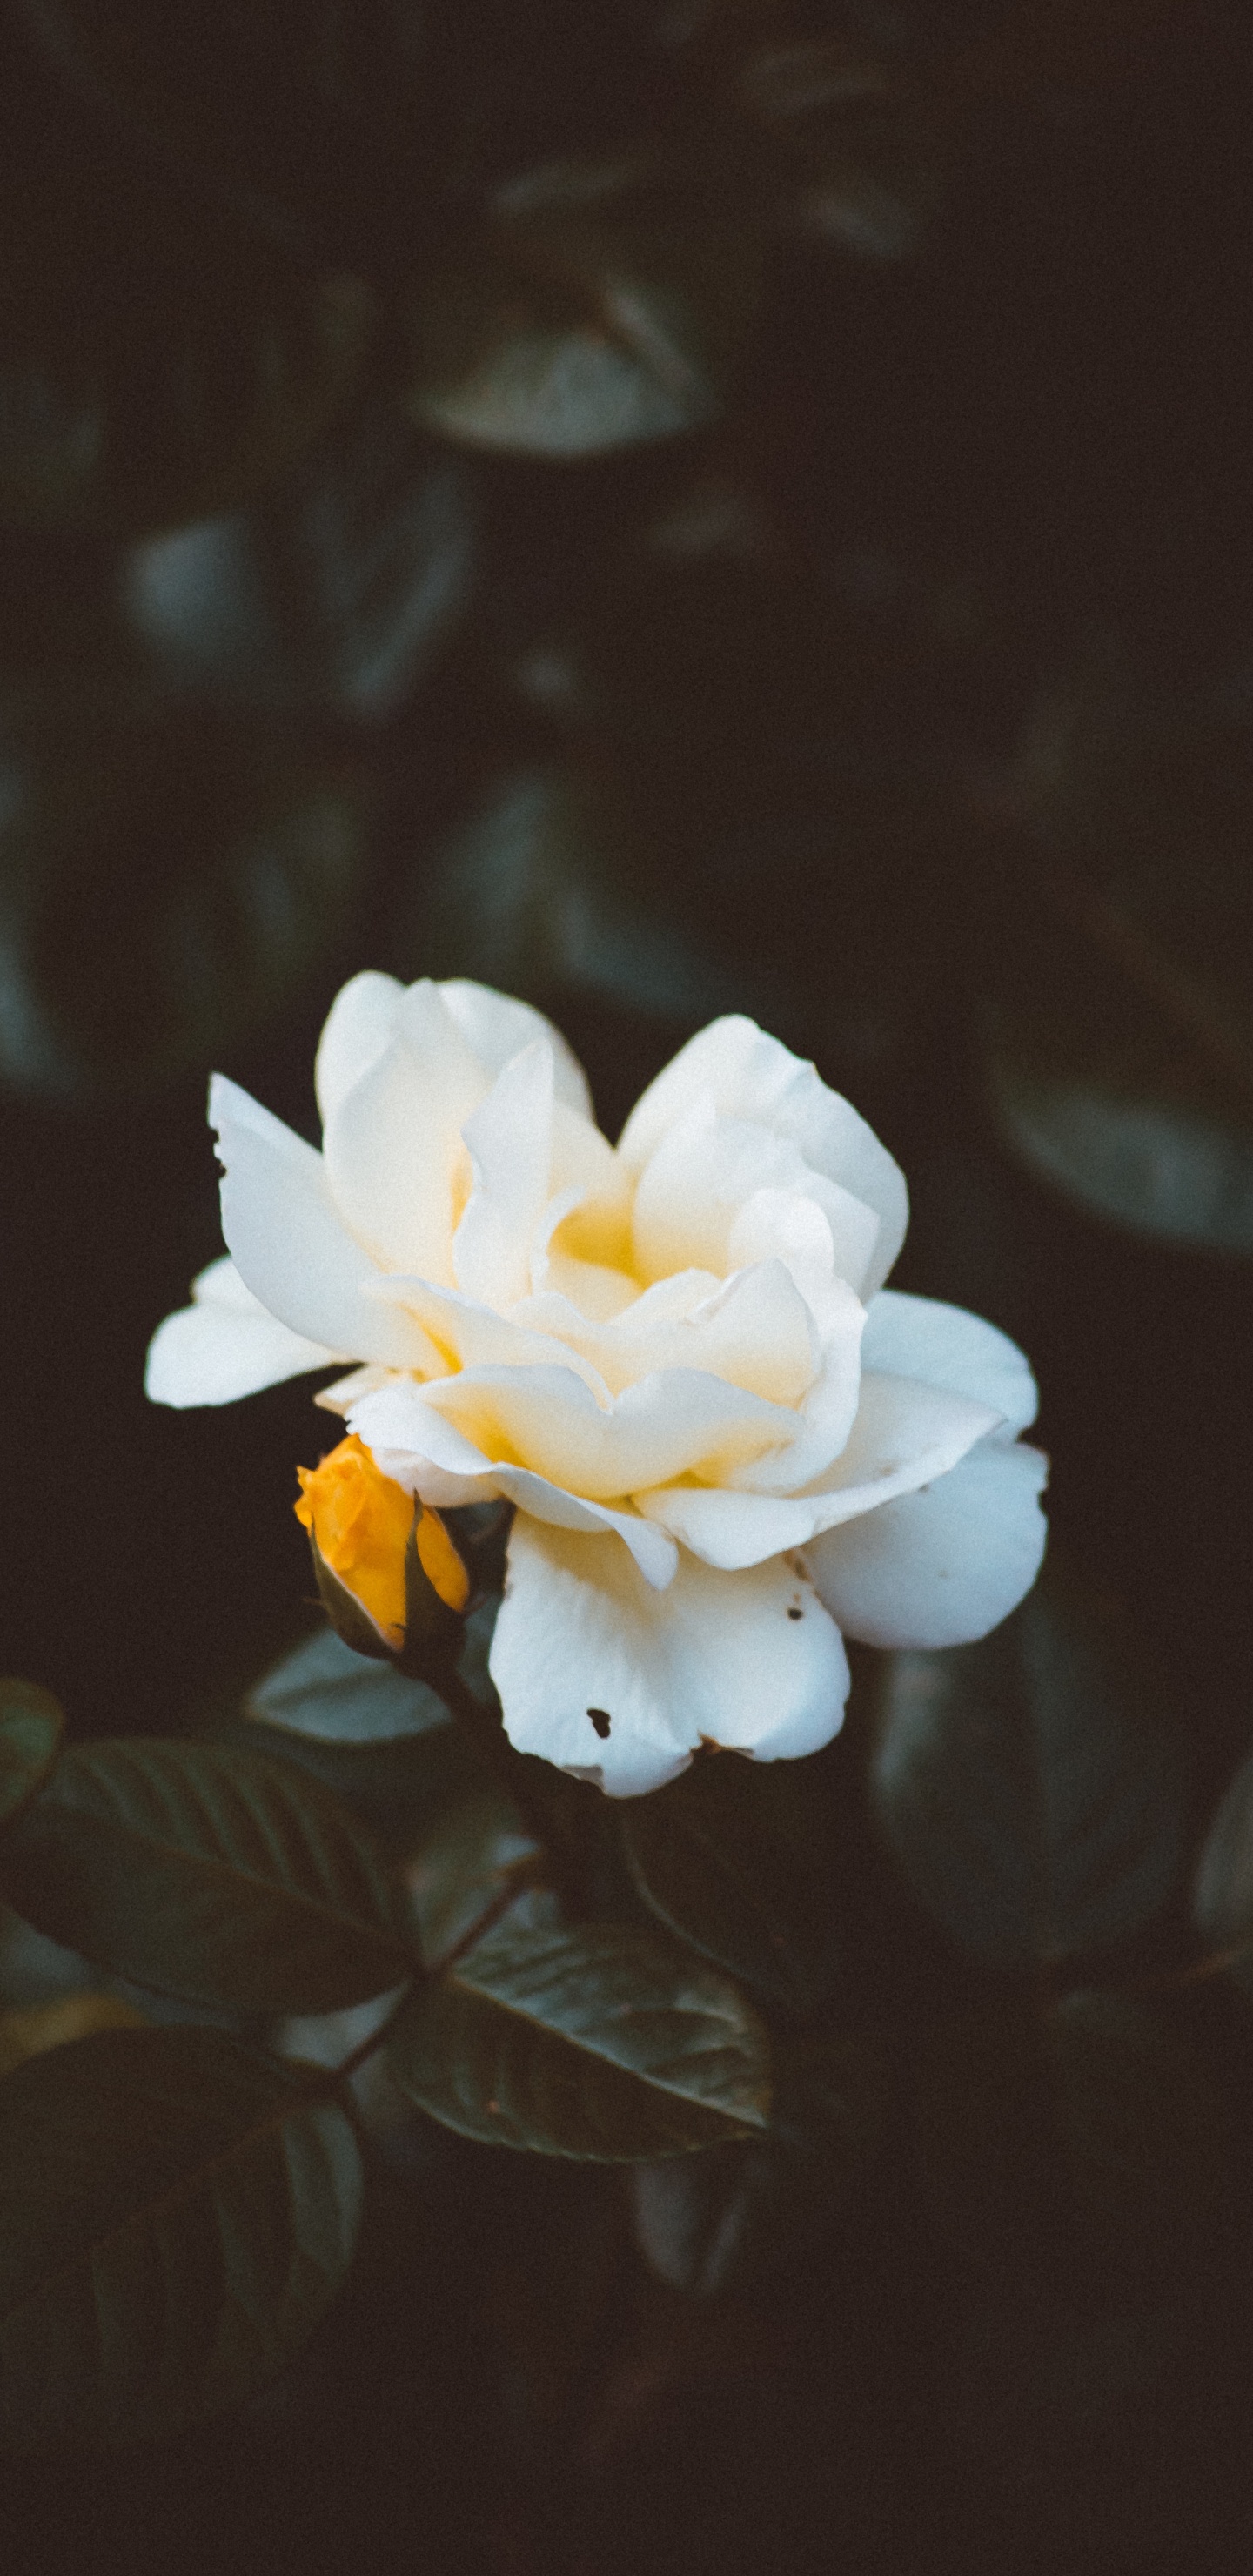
column 727, row 1443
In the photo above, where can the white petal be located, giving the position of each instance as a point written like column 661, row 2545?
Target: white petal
column 497, row 1027
column 751, row 1076
column 755, row 1330
column 652, row 1551
column 784, row 1225
column 224, row 1345
column 694, row 1191
column 677, row 1422
column 946, row 1346
column 730, row 1529
column 290, row 1244
column 715, row 1657
column 344, row 1392
column 743, row 1072
column 595, row 1290
column 509, row 1140
column 584, row 1161
column 360, row 1024
column 469, row 1334
column 904, row 1435
column 397, row 1168
column 824, row 1419
column 431, row 1457
column 942, row 1566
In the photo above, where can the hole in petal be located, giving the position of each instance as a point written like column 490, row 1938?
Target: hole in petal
column 601, row 1721
column 796, row 1614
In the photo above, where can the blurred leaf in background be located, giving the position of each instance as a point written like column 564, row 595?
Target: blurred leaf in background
column 687, row 509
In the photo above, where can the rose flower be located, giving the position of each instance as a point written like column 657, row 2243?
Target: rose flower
column 727, row 1444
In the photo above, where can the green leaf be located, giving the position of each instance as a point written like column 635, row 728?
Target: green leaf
column 693, row 2215
column 1119, row 1120
column 857, row 153
column 1088, row 2146
column 740, row 1859
column 208, row 1873
column 564, row 337
column 323, row 1689
column 336, row 589
column 395, row 1786
column 170, row 878
column 464, row 1863
column 1223, row 1897
column 54, row 2025
column 30, row 1734
column 534, row 893
column 174, row 2219
column 596, row 2042
column 707, row 2223
column 1025, row 1785
column 1118, row 1060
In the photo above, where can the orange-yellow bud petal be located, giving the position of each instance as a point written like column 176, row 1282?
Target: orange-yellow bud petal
column 440, row 1561
column 361, row 1522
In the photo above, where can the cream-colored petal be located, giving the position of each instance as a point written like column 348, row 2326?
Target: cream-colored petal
column 468, row 1334
column 755, row 1330
column 496, row 1027
column 728, row 1528
column 730, row 1063
column 674, row 1423
column 824, row 1418
column 428, row 1456
column 694, row 1189
column 751, row 1076
column 945, row 1346
column 344, row 1392
column 594, row 1291
column 788, row 1225
column 398, row 1170
column 509, row 1140
column 290, row 1244
column 904, row 1436
column 360, row 1024
column 942, row 1566
column 223, row 1346
column 619, row 1684
column 584, row 1161
column 597, row 1287
column 652, row 1551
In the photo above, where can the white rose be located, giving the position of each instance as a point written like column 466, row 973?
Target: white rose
column 726, row 1442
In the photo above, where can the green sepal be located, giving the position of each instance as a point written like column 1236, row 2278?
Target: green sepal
column 433, row 1632
column 348, row 1617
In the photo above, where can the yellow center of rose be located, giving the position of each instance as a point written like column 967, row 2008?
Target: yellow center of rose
column 361, row 1521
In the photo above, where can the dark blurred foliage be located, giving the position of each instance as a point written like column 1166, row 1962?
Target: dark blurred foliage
column 710, row 504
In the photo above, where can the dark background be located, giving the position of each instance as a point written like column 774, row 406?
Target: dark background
column 899, row 692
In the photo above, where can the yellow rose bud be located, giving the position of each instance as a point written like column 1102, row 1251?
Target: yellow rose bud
column 362, row 1523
